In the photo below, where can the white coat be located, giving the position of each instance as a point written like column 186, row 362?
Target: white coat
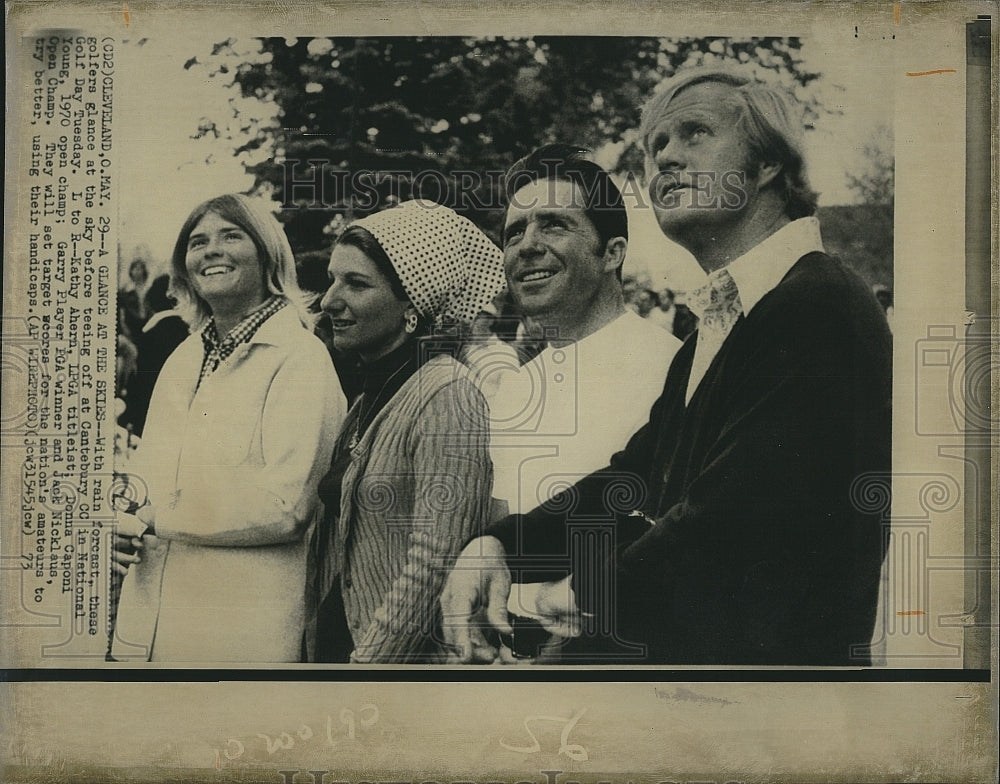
column 231, row 470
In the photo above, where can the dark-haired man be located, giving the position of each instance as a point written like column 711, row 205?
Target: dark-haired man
column 558, row 419
column 743, row 539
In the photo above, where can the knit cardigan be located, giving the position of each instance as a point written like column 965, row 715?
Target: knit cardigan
column 418, row 487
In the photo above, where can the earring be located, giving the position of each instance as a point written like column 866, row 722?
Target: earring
column 411, row 323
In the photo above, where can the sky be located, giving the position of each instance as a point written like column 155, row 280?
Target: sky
column 165, row 172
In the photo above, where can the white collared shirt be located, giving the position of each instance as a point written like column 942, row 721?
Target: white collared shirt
column 756, row 272
column 566, row 412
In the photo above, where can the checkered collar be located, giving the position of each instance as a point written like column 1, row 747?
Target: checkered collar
column 218, row 350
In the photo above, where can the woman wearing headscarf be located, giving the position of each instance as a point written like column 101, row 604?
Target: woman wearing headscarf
column 240, row 430
column 411, row 477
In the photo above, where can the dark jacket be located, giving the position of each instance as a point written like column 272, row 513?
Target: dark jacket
column 766, row 548
column 685, row 322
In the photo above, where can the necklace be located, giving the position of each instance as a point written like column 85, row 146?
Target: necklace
column 356, row 436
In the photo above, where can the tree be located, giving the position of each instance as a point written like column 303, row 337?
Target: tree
column 875, row 181
column 449, row 114
column 862, row 234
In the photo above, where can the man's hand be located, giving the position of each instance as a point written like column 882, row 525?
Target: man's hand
column 474, row 599
column 557, row 609
column 552, row 604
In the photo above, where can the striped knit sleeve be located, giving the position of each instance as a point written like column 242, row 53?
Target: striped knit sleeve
column 452, row 477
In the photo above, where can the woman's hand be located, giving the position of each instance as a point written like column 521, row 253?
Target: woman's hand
column 130, row 525
column 125, row 552
column 134, row 533
column 147, row 514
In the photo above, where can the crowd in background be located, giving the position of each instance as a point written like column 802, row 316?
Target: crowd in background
column 149, row 328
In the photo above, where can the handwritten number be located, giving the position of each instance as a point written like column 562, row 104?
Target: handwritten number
column 366, row 716
column 574, row 750
column 372, row 711
column 283, row 741
column 535, row 745
column 347, row 717
column 241, row 748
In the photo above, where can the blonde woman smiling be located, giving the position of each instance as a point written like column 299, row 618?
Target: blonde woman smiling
column 241, row 427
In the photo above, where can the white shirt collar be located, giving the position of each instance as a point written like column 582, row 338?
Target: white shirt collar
column 608, row 335
column 762, row 267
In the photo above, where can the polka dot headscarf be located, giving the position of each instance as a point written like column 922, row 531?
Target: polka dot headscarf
column 451, row 270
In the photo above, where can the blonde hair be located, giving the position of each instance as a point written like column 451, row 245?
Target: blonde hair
column 253, row 216
column 770, row 121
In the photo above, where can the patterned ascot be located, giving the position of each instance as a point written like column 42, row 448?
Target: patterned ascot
column 718, row 304
column 451, row 270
